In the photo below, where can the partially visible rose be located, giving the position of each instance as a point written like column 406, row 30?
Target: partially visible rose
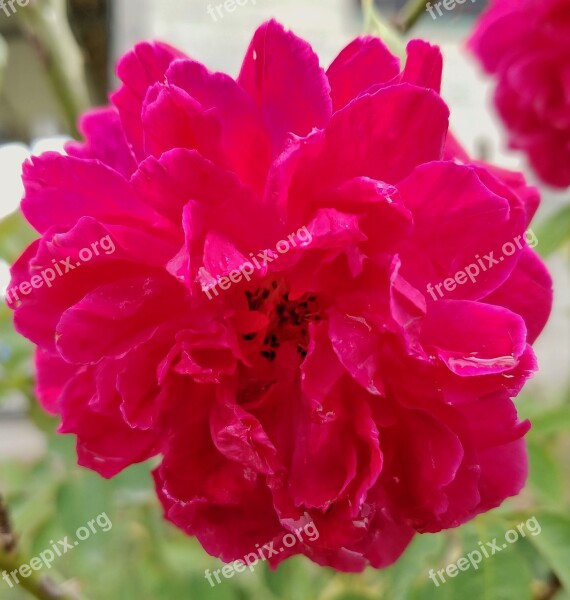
column 526, row 44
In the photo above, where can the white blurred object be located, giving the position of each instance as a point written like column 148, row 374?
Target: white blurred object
column 50, row 144
column 4, row 278
column 11, row 158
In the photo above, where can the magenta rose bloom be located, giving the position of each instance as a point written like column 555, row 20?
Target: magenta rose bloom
column 526, row 45
column 271, row 283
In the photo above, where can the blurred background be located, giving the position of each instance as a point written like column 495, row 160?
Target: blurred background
column 56, row 59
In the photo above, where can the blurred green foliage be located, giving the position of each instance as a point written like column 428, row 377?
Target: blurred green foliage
column 144, row 558
column 554, row 232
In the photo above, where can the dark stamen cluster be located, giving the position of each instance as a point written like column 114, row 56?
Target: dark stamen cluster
column 290, row 318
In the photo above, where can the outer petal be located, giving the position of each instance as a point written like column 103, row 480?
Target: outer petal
column 424, row 65
column 239, row 436
column 139, row 69
column 244, row 138
column 74, row 188
column 383, row 136
column 452, row 204
column 128, row 253
column 104, row 140
column 228, row 508
column 282, row 74
column 498, row 35
column 527, row 292
column 173, row 119
column 343, row 443
column 474, row 338
column 104, row 442
column 419, row 472
column 363, row 63
column 52, row 375
column 510, row 459
column 117, row 317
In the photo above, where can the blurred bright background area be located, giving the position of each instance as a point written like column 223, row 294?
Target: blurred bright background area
column 142, row 558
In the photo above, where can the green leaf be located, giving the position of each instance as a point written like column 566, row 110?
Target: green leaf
column 553, row 544
column 552, row 421
column 545, row 476
column 15, row 236
column 279, row 581
column 84, row 496
column 424, row 552
column 505, row 575
column 356, row 596
column 37, row 507
column 554, row 232
column 15, row 357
